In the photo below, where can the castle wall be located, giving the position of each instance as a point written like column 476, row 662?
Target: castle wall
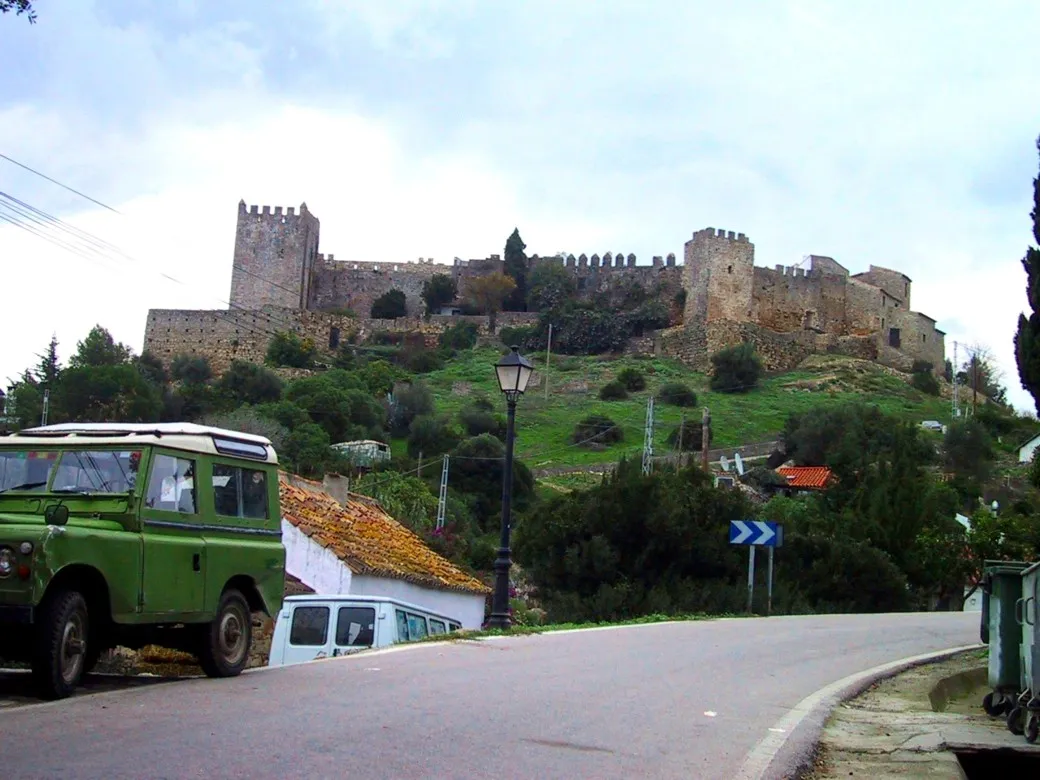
column 918, row 338
column 863, row 307
column 355, row 285
column 788, row 299
column 718, row 276
column 827, row 266
column 273, row 255
column 894, row 283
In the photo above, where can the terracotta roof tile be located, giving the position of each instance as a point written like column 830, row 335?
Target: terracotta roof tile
column 367, row 539
column 806, row 476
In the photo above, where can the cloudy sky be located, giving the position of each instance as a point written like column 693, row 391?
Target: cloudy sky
column 894, row 133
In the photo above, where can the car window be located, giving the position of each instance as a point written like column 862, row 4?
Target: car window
column 355, row 626
column 416, row 626
column 171, row 487
column 101, row 471
column 24, row 470
column 310, row 626
column 437, row 627
column 239, row 492
column 402, row 626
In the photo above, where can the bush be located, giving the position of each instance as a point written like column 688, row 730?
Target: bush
column 521, row 336
column 926, row 382
column 389, row 306
column 290, row 351
column 461, row 335
column 613, row 391
column 686, row 437
column 431, row 436
column 736, row 369
column 477, row 420
column 676, row 394
column 192, row 369
column 597, row 430
column 423, row 362
column 409, row 401
column 632, row 379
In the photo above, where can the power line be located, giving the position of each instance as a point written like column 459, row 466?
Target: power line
column 55, row 181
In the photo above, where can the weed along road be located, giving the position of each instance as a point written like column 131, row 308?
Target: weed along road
column 706, row 699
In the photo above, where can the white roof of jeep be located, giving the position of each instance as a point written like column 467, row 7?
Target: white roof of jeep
column 176, row 435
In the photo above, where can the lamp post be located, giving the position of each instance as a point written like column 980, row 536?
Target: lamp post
column 514, row 371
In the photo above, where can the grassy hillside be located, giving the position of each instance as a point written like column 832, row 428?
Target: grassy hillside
column 545, row 425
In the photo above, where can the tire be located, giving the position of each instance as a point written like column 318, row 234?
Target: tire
column 224, row 644
column 994, row 704
column 1016, row 721
column 62, row 645
column 1032, row 728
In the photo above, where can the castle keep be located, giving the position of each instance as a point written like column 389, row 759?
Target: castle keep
column 280, row 282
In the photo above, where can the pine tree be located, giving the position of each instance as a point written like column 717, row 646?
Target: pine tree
column 515, row 262
column 1027, row 340
column 49, row 368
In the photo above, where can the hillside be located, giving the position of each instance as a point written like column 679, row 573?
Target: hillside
column 545, row 425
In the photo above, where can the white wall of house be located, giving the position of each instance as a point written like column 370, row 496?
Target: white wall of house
column 312, row 564
column 1025, row 452
column 467, row 608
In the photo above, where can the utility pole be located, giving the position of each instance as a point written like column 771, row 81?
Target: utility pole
column 705, row 427
column 682, row 425
column 974, row 382
column 648, row 438
column 418, row 471
column 442, row 497
column 956, row 384
column 548, row 349
column 46, row 406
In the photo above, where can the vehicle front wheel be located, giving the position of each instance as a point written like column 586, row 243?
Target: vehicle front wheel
column 224, row 644
column 61, row 644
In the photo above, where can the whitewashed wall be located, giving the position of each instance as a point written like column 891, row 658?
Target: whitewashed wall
column 1026, row 452
column 315, row 566
column 467, row 608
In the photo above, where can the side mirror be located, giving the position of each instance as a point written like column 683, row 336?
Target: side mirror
column 56, row 514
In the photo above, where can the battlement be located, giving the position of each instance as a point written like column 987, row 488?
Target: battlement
column 265, row 211
column 329, row 261
column 794, row 271
column 713, row 234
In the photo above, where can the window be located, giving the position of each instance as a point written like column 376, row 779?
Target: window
column 729, row 269
column 244, row 449
column 893, row 337
column 454, row 626
column 101, row 471
column 333, row 337
column 402, row 626
column 172, row 485
column 437, row 627
column 355, row 626
column 26, row 470
column 416, row 626
column 310, row 626
column 239, row 492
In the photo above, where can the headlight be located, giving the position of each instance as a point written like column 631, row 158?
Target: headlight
column 6, row 561
column 25, row 548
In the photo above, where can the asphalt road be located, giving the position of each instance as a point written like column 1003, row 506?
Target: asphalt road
column 686, row 700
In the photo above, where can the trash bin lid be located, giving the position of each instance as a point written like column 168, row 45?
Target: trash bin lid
column 1005, row 567
column 1031, row 569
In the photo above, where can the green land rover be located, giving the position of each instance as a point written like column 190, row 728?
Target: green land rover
column 135, row 534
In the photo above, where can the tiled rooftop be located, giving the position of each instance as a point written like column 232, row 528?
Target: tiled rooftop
column 806, row 477
column 369, row 540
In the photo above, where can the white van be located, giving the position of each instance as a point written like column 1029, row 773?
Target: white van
column 316, row 626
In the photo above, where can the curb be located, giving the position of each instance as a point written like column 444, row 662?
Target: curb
column 955, row 686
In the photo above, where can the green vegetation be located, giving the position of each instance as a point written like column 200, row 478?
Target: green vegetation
column 1027, row 339
column 389, row 306
column 736, row 369
column 613, row 391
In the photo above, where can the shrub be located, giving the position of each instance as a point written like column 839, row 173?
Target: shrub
column 461, row 335
column 521, row 336
column 613, row 391
column 632, row 379
column 192, row 369
column 409, row 401
column 289, row 350
column 686, row 437
column 478, row 420
column 389, row 306
column 676, row 394
column 423, row 362
column 736, row 369
column 926, row 382
column 431, row 436
column 597, row 430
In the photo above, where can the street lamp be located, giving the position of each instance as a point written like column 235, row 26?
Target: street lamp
column 514, row 371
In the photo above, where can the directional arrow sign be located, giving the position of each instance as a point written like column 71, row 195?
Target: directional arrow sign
column 756, row 532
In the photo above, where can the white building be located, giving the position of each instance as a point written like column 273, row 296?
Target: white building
column 1025, row 452
column 355, row 547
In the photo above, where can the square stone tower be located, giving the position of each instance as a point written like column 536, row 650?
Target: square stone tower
column 274, row 253
column 718, row 275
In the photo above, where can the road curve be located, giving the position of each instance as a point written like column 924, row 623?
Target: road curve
column 678, row 700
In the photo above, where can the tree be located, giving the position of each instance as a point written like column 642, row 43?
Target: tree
column 549, row 285
column 736, row 369
column 476, row 470
column 439, row 290
column 100, row 349
column 49, row 367
column 515, row 265
column 191, row 369
column 981, row 374
column 968, row 451
column 19, row 7
column 389, row 306
column 923, row 379
column 488, row 293
column 334, row 401
column 1027, row 340
column 289, row 350
column 248, row 383
column 248, row 419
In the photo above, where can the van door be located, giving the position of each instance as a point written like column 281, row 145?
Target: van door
column 173, row 575
column 355, row 628
column 308, row 637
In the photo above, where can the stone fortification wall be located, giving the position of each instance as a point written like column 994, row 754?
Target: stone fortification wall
column 718, row 275
column 791, row 298
column 895, row 283
column 919, row 339
column 273, row 256
column 337, row 284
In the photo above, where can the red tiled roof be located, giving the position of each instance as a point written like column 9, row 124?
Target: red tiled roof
column 806, row 476
column 367, row 539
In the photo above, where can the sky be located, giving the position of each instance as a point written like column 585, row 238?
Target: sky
column 883, row 132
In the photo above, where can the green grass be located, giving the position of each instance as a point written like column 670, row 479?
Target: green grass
column 545, row 425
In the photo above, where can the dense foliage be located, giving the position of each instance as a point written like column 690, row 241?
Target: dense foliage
column 389, row 306
column 1027, row 339
column 736, row 369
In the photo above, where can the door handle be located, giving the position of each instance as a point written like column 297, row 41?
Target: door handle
column 196, row 562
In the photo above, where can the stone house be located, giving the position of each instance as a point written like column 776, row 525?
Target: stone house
column 356, row 547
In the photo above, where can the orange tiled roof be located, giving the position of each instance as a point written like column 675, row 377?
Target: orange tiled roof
column 806, row 476
column 368, row 540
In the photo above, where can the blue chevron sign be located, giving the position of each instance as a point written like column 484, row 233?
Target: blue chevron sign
column 756, row 532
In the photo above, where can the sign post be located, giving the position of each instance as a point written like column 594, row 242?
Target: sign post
column 757, row 533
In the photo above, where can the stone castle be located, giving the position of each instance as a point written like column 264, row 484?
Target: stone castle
column 281, row 282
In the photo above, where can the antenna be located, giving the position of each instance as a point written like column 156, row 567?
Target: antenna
column 740, row 463
column 724, row 462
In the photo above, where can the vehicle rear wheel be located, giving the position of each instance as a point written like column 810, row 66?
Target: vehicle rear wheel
column 61, row 644
column 224, row 644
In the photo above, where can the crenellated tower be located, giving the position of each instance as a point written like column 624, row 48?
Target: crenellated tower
column 718, row 275
column 274, row 254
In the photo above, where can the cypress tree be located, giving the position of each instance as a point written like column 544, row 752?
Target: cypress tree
column 515, row 261
column 1027, row 340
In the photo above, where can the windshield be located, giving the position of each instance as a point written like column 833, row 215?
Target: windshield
column 26, row 470
column 102, row 471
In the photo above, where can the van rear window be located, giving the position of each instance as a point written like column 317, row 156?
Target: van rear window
column 310, row 626
column 355, row 626
column 242, row 449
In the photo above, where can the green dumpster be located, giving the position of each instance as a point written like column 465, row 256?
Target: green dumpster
column 1002, row 595
column 1027, row 714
